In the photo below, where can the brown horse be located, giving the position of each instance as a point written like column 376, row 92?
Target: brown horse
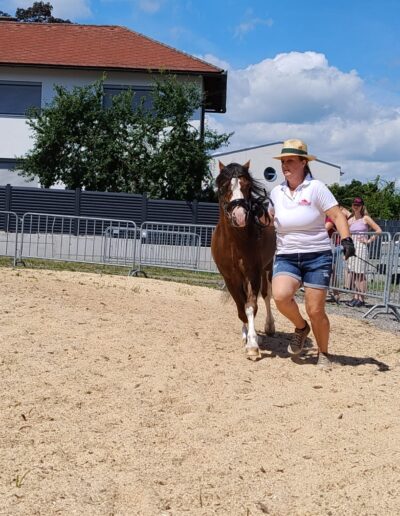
column 243, row 247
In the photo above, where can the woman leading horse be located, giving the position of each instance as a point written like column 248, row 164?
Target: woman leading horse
column 304, row 257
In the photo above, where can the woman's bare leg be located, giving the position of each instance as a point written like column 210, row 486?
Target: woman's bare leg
column 362, row 287
column 283, row 290
column 315, row 307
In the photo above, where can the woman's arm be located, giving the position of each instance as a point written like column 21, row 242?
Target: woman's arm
column 346, row 212
column 373, row 225
column 340, row 221
column 329, row 225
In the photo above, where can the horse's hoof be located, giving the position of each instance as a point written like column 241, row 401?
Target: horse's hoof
column 253, row 353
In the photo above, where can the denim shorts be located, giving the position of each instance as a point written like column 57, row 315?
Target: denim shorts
column 311, row 269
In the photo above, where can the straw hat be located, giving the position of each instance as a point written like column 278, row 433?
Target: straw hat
column 295, row 148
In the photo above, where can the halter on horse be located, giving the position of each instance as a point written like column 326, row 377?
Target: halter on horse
column 241, row 197
column 243, row 246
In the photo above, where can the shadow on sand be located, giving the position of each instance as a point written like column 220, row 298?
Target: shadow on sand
column 277, row 346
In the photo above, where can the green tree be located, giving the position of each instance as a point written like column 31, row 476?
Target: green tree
column 381, row 197
column 181, row 163
column 83, row 145
column 123, row 149
column 39, row 12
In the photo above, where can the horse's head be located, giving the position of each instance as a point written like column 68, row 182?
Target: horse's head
column 234, row 185
column 234, row 191
column 241, row 197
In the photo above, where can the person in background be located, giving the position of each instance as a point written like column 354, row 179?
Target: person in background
column 337, row 266
column 304, row 255
column 360, row 223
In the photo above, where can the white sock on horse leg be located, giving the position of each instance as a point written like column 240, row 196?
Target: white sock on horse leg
column 252, row 340
column 244, row 333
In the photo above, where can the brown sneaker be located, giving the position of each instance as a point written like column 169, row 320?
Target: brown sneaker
column 298, row 339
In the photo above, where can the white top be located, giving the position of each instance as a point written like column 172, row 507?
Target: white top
column 300, row 218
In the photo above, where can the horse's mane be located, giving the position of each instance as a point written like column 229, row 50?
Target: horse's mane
column 257, row 189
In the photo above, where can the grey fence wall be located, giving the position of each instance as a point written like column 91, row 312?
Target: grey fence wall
column 390, row 226
column 120, row 206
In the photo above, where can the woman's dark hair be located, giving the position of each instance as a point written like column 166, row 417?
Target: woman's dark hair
column 307, row 171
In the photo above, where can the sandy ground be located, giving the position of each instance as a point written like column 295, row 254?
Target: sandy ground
column 128, row 396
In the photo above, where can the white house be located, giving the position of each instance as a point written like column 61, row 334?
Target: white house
column 35, row 56
column 267, row 169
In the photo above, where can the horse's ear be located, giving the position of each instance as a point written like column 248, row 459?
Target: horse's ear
column 221, row 165
column 247, row 165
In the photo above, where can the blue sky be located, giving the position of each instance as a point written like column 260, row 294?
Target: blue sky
column 324, row 71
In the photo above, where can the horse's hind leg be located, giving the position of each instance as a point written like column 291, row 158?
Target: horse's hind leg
column 266, row 292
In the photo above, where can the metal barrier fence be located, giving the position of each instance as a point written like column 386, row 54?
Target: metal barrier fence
column 393, row 278
column 373, row 273
column 178, row 246
column 78, row 239
column 9, row 234
column 368, row 273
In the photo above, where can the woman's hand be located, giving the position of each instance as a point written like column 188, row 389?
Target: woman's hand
column 348, row 247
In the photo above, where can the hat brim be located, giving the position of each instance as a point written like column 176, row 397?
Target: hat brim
column 308, row 157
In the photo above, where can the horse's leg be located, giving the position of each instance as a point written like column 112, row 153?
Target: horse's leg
column 246, row 315
column 266, row 292
column 252, row 349
column 244, row 333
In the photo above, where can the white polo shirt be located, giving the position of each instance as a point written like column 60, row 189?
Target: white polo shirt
column 300, row 219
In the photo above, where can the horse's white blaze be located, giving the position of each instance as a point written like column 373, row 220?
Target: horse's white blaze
column 238, row 213
column 252, row 341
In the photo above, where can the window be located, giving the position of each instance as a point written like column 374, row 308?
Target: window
column 7, row 164
column 17, row 97
column 270, row 174
column 141, row 94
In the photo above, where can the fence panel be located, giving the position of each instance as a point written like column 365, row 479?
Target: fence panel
column 9, row 234
column 393, row 280
column 78, row 239
column 177, row 246
column 366, row 274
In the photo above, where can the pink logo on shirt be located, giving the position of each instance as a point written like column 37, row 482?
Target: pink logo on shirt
column 304, row 202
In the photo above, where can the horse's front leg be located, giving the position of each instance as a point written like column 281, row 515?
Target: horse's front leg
column 252, row 286
column 244, row 333
column 252, row 349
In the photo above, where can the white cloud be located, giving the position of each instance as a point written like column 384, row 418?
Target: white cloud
column 147, row 6
column 301, row 95
column 249, row 25
column 150, row 6
column 210, row 58
column 71, row 9
column 295, row 87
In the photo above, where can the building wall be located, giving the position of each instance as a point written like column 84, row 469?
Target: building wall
column 16, row 136
column 261, row 157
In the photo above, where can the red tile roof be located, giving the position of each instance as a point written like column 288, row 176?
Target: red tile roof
column 91, row 46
